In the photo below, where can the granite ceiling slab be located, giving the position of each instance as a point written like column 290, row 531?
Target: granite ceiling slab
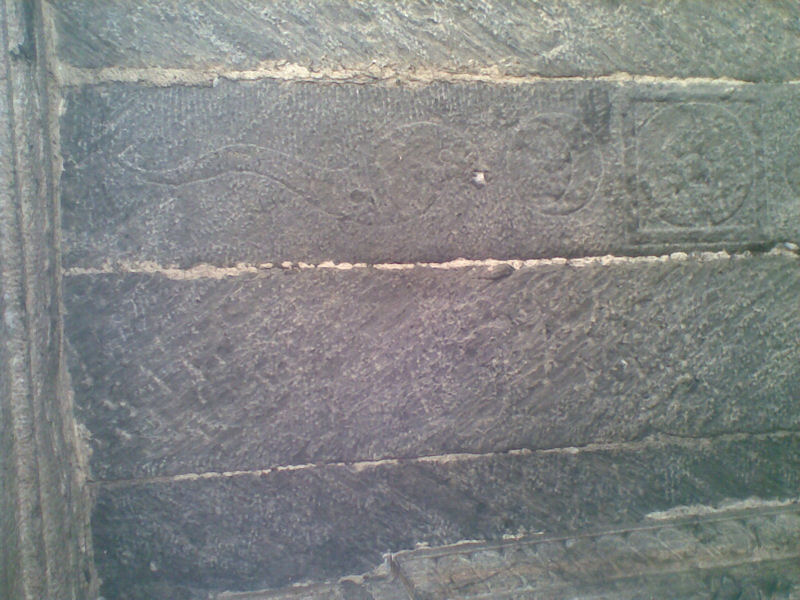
column 268, row 171
column 305, row 366
column 742, row 39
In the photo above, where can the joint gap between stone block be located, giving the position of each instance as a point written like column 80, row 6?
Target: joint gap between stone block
column 503, row 266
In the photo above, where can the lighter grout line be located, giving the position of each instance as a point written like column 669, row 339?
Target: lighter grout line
column 69, row 75
column 661, row 440
column 207, row 271
column 697, row 510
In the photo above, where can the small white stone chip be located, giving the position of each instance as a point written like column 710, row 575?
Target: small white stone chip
column 479, row 178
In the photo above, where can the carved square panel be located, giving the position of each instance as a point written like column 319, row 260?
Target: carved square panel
column 694, row 166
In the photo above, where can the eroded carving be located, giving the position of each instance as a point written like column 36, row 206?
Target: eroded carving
column 553, row 164
column 406, row 172
column 694, row 165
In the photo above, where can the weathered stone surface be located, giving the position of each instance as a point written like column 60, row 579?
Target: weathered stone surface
column 764, row 580
column 44, row 548
column 376, row 585
column 256, row 531
column 782, row 150
column 753, row 551
column 744, row 39
column 709, row 163
column 747, row 550
column 267, row 171
column 693, row 166
column 291, row 367
column 270, row 171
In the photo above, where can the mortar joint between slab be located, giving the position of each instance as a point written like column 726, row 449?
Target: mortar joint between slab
column 659, row 440
column 208, row 271
column 69, row 75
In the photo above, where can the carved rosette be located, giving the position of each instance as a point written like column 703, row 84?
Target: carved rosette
column 695, row 166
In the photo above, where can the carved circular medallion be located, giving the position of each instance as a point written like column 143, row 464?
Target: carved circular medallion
column 552, row 164
column 695, row 165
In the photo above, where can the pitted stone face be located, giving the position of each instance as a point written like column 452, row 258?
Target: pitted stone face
column 750, row 40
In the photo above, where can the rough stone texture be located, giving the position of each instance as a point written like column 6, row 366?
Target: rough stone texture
column 290, row 367
column 750, row 552
column 745, row 39
column 267, row 171
column 270, row 171
column 376, row 585
column 179, row 539
column 45, row 551
column 696, row 168
column 456, row 129
column 782, row 149
column 765, row 580
column 744, row 552
column 768, row 580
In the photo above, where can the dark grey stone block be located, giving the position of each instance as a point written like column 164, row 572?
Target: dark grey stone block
column 292, row 367
column 266, row 530
column 271, row 171
column 744, row 39
column 696, row 167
